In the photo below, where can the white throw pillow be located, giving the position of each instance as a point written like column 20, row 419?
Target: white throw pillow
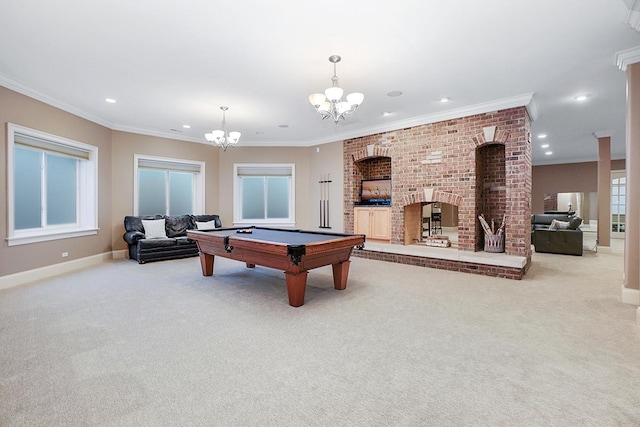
column 154, row 229
column 559, row 225
column 209, row 225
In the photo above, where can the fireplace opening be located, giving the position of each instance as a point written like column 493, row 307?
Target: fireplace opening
column 431, row 224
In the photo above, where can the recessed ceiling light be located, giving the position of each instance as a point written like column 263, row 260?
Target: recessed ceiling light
column 542, row 135
column 394, row 93
column 387, row 113
column 110, row 100
column 444, row 99
column 581, row 98
column 544, row 146
column 186, row 126
column 548, row 153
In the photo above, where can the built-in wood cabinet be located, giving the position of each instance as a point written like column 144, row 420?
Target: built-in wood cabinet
column 373, row 221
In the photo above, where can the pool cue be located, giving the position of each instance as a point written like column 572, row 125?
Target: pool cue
column 322, row 214
column 324, row 201
column 328, row 181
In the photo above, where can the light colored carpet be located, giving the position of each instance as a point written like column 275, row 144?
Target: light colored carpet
column 124, row 344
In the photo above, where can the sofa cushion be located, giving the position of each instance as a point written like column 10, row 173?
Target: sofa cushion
column 209, row 225
column 154, row 229
column 183, row 240
column 134, row 223
column 177, row 225
column 206, row 218
column 575, row 222
column 546, row 219
column 146, row 244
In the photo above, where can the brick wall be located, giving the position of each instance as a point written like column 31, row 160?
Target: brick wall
column 551, row 202
column 450, row 162
column 444, row 264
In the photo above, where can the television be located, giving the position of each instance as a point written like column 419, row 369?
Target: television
column 375, row 191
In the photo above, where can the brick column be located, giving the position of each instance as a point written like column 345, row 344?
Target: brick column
column 604, row 190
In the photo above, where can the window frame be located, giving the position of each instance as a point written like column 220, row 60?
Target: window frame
column 237, row 195
column 86, row 183
column 618, row 220
column 198, row 168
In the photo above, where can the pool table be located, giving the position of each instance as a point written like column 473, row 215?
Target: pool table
column 293, row 251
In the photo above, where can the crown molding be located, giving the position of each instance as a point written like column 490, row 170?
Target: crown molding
column 526, row 100
column 624, row 58
column 167, row 135
column 17, row 86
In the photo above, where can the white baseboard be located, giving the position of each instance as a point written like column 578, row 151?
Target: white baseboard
column 630, row 296
column 121, row 254
column 23, row 277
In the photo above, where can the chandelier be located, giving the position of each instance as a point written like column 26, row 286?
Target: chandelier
column 330, row 103
column 220, row 137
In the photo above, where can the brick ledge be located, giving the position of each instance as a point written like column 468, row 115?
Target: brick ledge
column 495, row 265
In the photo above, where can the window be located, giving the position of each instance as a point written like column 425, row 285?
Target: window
column 618, row 201
column 264, row 194
column 52, row 187
column 168, row 186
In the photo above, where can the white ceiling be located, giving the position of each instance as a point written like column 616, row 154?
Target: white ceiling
column 171, row 63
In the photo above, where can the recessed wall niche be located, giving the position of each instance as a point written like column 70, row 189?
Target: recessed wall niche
column 491, row 189
column 370, row 168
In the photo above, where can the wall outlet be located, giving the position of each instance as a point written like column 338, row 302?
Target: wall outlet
column 65, row 254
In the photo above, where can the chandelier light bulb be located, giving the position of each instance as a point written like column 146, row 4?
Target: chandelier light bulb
column 330, row 104
column 334, row 94
column 317, row 99
column 355, row 98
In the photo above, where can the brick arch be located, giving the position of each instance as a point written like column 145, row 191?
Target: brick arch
column 501, row 137
column 427, row 195
column 371, row 151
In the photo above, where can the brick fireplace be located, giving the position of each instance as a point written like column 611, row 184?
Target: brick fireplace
column 480, row 163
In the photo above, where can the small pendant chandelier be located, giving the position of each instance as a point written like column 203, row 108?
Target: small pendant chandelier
column 220, row 137
column 330, row 104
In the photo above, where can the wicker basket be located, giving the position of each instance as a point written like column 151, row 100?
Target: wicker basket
column 494, row 243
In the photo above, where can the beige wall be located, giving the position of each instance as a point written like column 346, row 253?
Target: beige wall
column 326, row 160
column 125, row 145
column 240, row 154
column 565, row 178
column 25, row 111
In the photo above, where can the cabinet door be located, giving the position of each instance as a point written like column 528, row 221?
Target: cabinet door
column 381, row 223
column 361, row 220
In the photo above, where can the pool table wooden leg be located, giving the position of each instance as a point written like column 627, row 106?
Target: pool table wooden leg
column 206, row 262
column 340, row 274
column 296, row 286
